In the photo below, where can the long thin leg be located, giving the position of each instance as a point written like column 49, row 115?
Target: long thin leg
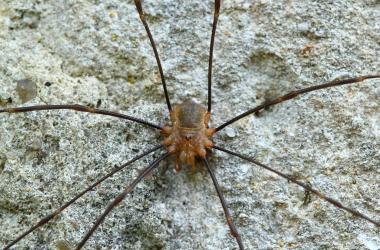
column 119, row 198
column 215, row 22
column 303, row 185
column 230, row 222
column 293, row 94
column 142, row 18
column 79, row 108
column 47, row 218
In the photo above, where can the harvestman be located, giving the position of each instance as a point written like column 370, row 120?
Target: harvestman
column 188, row 138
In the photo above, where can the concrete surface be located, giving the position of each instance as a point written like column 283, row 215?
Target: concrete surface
column 97, row 53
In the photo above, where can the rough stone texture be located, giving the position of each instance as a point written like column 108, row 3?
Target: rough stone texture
column 97, row 53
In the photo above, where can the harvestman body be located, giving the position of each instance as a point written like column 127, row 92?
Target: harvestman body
column 188, row 138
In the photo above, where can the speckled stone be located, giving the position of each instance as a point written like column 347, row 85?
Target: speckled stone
column 97, row 53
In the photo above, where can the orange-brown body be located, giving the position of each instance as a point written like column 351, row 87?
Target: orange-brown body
column 189, row 135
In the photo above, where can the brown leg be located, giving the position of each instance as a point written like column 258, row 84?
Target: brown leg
column 230, row 222
column 79, row 108
column 294, row 94
column 47, row 218
column 142, row 17
column 215, row 22
column 120, row 197
column 303, row 185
